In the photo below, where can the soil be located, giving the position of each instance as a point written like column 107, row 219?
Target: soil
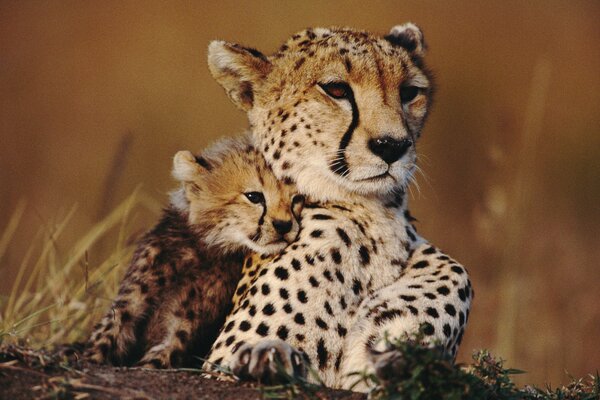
column 62, row 374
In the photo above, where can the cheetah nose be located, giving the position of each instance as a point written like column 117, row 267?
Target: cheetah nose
column 282, row 227
column 389, row 149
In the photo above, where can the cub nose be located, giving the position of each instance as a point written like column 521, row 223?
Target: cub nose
column 282, row 227
column 389, row 149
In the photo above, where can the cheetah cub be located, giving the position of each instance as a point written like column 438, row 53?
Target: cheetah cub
column 178, row 287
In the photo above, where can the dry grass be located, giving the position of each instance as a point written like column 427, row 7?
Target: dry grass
column 56, row 295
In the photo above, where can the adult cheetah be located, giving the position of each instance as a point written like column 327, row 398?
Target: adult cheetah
column 338, row 112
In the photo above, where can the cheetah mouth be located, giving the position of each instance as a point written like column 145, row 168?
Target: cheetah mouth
column 377, row 178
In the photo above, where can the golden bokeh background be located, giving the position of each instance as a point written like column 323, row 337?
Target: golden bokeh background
column 96, row 97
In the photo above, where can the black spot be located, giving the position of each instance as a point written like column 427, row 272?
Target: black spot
column 322, row 354
column 413, row 310
column 432, row 311
column 421, row 264
column 328, row 308
column 282, row 273
column 144, row 288
column 265, row 289
column 457, row 269
column 125, row 316
column 313, row 281
column 299, row 319
column 344, row 236
column 407, row 297
column 339, row 275
column 447, row 330
column 302, row 296
column 263, row 329
column 241, row 290
column 254, row 289
column 461, row 318
column 341, row 330
column 309, row 259
column 356, row 286
column 462, row 295
column 268, row 309
column 321, row 324
column 429, row 250
column 229, row 326
column 365, row 258
column 229, row 340
column 190, row 315
column 284, row 293
column 317, row 233
column 450, row 310
column 252, row 311
column 282, row 332
column 343, row 303
column 430, row 296
column 245, row 326
column 428, row 329
column 287, row 308
column 321, row 217
column 336, row 256
column 296, row 264
column 300, row 337
column 327, row 275
column 387, row 315
column 443, row 290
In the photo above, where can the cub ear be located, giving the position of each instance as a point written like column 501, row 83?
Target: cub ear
column 408, row 36
column 187, row 168
column 238, row 69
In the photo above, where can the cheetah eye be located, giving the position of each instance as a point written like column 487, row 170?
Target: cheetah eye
column 408, row 93
column 255, row 197
column 337, row 90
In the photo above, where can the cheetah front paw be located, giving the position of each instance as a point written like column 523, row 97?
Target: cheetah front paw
column 269, row 361
column 389, row 365
column 160, row 357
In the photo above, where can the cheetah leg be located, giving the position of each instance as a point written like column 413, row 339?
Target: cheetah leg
column 181, row 319
column 432, row 296
column 114, row 338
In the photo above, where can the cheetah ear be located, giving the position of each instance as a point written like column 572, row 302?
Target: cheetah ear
column 238, row 69
column 187, row 167
column 408, row 36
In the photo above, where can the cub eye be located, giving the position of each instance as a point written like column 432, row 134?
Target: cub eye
column 255, row 197
column 337, row 90
column 408, row 93
column 298, row 199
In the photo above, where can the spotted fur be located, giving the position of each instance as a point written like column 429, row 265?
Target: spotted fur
column 338, row 112
column 178, row 287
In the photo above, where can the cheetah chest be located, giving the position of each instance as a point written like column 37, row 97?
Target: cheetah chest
column 309, row 294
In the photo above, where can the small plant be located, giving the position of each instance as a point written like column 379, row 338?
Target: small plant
column 413, row 371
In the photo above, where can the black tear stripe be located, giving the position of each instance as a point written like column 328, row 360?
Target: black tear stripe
column 340, row 165
column 261, row 220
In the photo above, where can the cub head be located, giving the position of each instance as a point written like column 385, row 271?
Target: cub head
column 337, row 111
column 234, row 200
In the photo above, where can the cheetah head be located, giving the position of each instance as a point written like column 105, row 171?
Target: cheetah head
column 337, row 111
column 233, row 198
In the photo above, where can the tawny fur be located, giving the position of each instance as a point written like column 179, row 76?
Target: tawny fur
column 330, row 111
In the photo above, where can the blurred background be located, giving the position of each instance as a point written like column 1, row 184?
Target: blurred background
column 96, row 97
